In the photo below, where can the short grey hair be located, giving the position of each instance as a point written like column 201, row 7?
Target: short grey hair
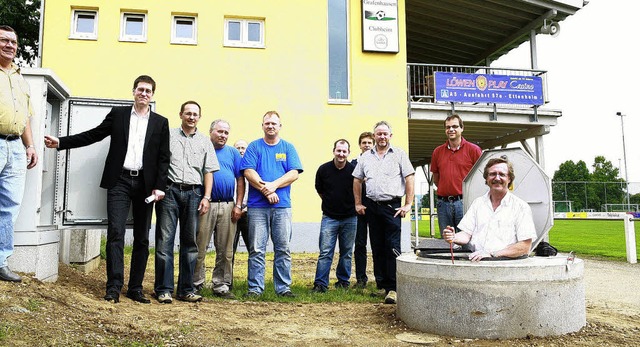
column 213, row 124
column 382, row 122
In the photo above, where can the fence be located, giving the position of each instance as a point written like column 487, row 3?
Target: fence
column 582, row 196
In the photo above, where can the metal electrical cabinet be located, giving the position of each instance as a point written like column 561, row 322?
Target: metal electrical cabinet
column 36, row 234
column 63, row 212
column 81, row 200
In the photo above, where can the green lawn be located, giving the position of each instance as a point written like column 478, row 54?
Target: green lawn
column 596, row 238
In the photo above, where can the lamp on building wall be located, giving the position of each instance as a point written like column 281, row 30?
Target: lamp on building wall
column 624, row 155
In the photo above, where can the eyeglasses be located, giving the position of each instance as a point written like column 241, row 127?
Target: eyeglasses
column 497, row 174
column 451, row 127
column 6, row 42
column 144, row 90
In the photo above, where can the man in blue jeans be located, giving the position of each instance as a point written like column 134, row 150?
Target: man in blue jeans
column 15, row 156
column 193, row 161
column 450, row 164
column 334, row 184
column 270, row 165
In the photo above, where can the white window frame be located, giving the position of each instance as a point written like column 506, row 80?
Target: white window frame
column 333, row 98
column 123, row 23
column 184, row 40
column 74, row 25
column 244, row 33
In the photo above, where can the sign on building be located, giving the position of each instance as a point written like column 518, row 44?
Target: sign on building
column 380, row 26
column 485, row 88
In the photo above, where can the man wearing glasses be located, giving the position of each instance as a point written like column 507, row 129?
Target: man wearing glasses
column 15, row 156
column 450, row 164
column 136, row 167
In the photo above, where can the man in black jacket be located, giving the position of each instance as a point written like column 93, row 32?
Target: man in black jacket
column 136, row 167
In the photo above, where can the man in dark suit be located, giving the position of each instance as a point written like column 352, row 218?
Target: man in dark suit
column 136, row 167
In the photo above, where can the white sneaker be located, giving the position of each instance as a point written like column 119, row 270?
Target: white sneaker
column 391, row 297
column 165, row 298
column 191, row 297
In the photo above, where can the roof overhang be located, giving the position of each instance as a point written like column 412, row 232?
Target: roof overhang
column 468, row 32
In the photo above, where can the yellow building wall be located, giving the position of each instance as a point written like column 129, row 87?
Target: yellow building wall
column 289, row 75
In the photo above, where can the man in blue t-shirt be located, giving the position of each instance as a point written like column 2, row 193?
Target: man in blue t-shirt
column 270, row 165
column 223, row 215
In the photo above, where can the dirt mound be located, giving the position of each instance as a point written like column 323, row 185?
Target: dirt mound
column 71, row 311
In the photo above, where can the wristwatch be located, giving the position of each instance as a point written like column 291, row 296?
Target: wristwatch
column 207, row 197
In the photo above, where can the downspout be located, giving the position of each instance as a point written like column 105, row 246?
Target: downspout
column 40, row 35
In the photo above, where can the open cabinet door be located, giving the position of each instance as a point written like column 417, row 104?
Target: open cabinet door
column 85, row 203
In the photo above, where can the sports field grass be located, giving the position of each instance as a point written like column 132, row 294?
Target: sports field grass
column 595, row 238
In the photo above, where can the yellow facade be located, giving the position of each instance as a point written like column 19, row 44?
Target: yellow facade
column 290, row 74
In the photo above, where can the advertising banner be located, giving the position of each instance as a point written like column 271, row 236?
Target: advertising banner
column 483, row 88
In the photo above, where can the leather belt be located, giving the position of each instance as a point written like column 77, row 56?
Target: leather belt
column 9, row 137
column 132, row 173
column 221, row 200
column 450, row 197
column 389, row 202
column 182, row 186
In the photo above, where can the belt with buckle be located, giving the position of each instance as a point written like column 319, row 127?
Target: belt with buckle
column 222, row 200
column 132, row 173
column 450, row 197
column 182, row 186
column 9, row 137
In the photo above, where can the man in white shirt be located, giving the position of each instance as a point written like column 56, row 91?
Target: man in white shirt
column 498, row 224
column 136, row 167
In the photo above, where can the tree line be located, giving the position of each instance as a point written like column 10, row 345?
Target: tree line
column 24, row 17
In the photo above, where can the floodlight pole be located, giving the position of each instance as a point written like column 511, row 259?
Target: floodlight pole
column 624, row 154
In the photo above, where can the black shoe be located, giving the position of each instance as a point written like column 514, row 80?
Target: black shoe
column 7, row 275
column 138, row 296
column 112, row 296
column 319, row 288
column 199, row 286
column 287, row 294
column 379, row 293
column 342, row 285
column 225, row 295
column 360, row 285
column 251, row 295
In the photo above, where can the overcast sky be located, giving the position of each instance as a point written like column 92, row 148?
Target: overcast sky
column 593, row 72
